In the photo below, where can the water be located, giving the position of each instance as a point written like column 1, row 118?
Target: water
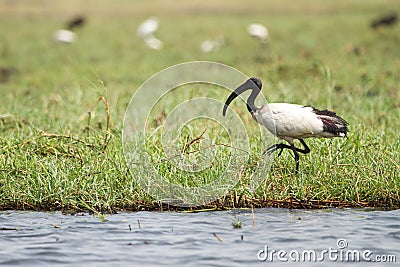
column 187, row 239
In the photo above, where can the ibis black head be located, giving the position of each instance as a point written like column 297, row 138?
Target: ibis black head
column 253, row 84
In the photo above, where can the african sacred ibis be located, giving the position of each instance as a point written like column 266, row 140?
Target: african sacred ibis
column 146, row 31
column 385, row 21
column 67, row 35
column 290, row 121
column 148, row 27
column 258, row 31
column 211, row 45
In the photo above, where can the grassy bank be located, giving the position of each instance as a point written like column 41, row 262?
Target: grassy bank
column 57, row 150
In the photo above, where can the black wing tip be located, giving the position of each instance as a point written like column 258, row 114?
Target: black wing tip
column 331, row 114
column 324, row 112
column 335, row 130
column 344, row 130
column 332, row 123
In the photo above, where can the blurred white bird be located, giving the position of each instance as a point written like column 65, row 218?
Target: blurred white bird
column 64, row 36
column 148, row 27
column 207, row 46
column 153, row 43
column 146, row 31
column 258, row 31
column 212, row 45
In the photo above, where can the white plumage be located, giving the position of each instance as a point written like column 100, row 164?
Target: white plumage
column 211, row 45
column 153, row 43
column 258, row 31
column 64, row 36
column 146, row 31
column 148, row 27
column 290, row 121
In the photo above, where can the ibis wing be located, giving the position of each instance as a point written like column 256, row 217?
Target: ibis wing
column 297, row 121
column 290, row 120
column 333, row 123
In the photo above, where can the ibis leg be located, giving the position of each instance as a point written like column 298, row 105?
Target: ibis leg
column 296, row 157
column 275, row 147
column 295, row 150
column 306, row 149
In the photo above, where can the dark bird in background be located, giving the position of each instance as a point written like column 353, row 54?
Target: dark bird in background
column 75, row 22
column 68, row 35
column 6, row 73
column 385, row 21
column 290, row 121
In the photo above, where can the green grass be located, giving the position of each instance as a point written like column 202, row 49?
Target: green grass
column 53, row 155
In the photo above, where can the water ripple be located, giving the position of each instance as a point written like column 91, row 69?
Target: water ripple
column 189, row 239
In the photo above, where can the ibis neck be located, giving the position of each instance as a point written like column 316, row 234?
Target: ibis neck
column 251, row 107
